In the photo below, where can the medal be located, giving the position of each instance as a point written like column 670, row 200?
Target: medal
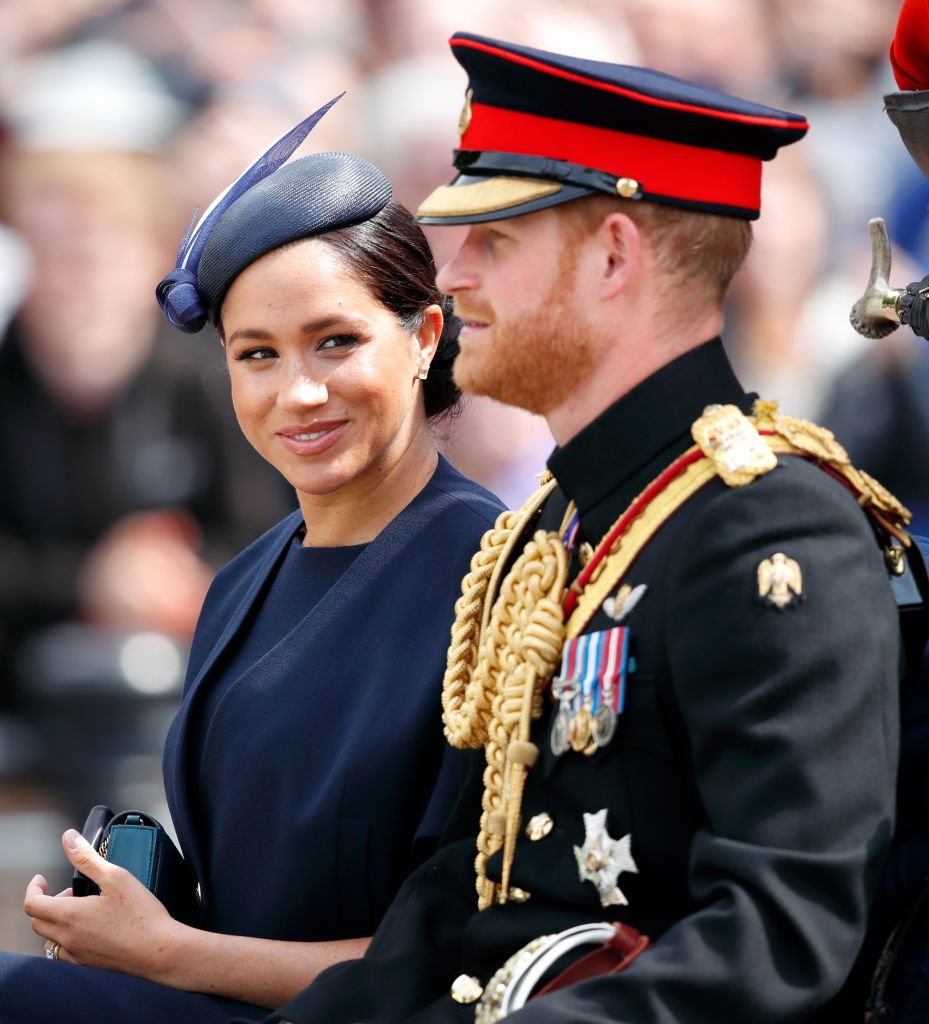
column 604, row 725
column 590, row 691
column 580, row 730
column 564, row 691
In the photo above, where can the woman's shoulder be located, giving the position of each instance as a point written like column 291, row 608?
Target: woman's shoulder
column 239, row 570
column 463, row 496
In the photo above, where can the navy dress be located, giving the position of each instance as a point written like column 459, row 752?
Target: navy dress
column 306, row 769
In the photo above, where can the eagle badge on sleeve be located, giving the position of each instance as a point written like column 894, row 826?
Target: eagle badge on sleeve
column 780, row 582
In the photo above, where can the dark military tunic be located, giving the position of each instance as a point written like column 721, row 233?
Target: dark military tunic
column 753, row 766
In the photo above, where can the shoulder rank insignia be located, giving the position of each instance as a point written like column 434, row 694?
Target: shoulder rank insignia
column 727, row 437
column 780, row 582
column 811, row 438
column 602, row 859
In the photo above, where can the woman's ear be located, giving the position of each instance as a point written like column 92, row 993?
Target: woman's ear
column 429, row 333
column 620, row 252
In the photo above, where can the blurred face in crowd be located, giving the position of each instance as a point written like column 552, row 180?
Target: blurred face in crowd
column 526, row 339
column 324, row 377
column 91, row 221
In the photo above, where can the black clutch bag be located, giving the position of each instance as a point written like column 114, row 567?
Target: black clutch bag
column 138, row 843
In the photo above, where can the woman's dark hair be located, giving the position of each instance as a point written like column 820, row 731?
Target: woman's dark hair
column 389, row 254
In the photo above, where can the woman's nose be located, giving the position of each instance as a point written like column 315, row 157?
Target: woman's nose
column 303, row 391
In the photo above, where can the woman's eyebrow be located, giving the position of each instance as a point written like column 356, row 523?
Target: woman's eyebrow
column 310, row 327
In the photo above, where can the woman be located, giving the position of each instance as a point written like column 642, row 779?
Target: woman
column 305, row 771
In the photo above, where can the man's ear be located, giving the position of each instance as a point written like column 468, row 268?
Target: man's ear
column 620, row 252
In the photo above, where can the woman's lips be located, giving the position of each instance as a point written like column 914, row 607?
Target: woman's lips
column 313, row 439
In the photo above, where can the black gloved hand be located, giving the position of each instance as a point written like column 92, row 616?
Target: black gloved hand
column 914, row 307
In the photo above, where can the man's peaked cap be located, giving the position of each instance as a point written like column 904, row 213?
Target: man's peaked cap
column 542, row 128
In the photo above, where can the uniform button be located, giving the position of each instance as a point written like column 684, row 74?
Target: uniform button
column 518, row 895
column 539, row 826
column 466, row 989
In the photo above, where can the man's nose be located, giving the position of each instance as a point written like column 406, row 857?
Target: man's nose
column 458, row 273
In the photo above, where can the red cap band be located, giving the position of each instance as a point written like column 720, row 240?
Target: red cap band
column 662, row 168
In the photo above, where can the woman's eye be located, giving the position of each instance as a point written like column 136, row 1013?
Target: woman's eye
column 338, row 341
column 256, row 355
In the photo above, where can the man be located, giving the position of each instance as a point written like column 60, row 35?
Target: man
column 686, row 679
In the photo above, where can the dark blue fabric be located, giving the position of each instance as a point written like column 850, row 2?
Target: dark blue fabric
column 294, row 589
column 34, row 990
column 324, row 765
column 316, row 804
column 306, row 197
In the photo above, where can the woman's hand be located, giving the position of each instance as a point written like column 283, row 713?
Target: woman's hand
column 125, row 928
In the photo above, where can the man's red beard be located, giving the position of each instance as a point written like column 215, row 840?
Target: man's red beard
column 535, row 360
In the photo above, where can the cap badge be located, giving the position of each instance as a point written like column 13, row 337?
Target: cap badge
column 780, row 582
column 464, row 118
column 602, row 859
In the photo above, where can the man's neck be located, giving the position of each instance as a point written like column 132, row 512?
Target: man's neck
column 624, row 365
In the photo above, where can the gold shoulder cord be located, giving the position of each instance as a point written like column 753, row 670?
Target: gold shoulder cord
column 504, row 649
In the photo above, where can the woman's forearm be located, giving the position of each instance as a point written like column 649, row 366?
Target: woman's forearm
column 265, row 972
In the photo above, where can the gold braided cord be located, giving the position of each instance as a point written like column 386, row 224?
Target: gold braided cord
column 517, row 657
column 466, row 708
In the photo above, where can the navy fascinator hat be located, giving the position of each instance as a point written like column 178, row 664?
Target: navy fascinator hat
column 269, row 204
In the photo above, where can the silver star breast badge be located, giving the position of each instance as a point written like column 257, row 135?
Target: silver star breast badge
column 602, row 859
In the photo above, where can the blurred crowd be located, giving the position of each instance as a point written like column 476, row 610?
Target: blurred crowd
column 124, row 483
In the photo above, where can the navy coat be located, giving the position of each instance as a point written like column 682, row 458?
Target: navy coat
column 324, row 763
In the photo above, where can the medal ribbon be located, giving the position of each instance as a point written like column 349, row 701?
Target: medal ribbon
column 598, row 663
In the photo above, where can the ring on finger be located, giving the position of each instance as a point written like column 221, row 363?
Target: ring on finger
column 52, row 950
